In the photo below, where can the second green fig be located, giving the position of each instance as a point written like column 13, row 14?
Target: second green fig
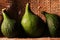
column 32, row 24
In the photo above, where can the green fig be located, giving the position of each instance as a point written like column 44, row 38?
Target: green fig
column 53, row 23
column 32, row 24
column 8, row 27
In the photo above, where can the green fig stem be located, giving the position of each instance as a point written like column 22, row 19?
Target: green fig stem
column 3, row 12
column 27, row 7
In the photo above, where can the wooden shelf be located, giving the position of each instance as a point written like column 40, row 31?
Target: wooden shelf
column 29, row 38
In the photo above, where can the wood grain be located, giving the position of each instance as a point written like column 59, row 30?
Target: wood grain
column 24, row 38
column 29, row 38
